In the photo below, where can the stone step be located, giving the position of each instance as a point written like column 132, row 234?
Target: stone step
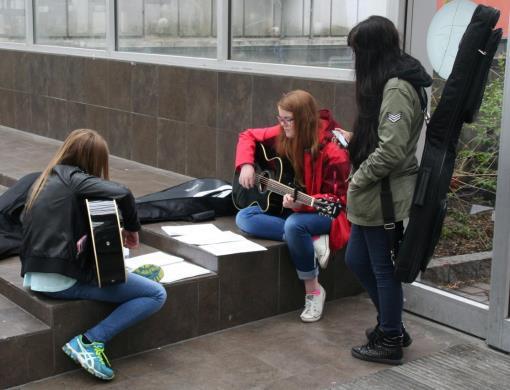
column 26, row 351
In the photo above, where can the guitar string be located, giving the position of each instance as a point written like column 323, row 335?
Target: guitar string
column 282, row 187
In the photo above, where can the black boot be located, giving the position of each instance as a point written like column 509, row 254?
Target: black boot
column 373, row 332
column 380, row 349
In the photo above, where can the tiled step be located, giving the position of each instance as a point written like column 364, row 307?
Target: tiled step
column 26, row 351
column 191, row 309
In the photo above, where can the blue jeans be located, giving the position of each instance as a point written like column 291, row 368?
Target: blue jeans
column 139, row 297
column 296, row 229
column 368, row 256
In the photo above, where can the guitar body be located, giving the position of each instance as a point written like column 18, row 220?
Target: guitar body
column 107, row 253
column 272, row 167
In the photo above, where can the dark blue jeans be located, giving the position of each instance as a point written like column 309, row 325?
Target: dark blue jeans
column 139, row 297
column 296, row 229
column 368, row 256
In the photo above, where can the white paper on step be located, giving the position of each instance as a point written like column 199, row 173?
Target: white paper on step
column 182, row 230
column 212, row 238
column 182, row 270
column 156, row 258
column 227, row 248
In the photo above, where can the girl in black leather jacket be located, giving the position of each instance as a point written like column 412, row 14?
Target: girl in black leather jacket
column 52, row 262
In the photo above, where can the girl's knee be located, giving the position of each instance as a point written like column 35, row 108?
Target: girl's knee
column 161, row 294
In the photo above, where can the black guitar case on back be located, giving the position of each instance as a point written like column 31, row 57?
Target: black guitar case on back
column 460, row 101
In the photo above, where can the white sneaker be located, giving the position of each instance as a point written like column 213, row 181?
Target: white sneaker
column 314, row 305
column 321, row 250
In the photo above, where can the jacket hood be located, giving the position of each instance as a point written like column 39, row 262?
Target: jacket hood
column 412, row 71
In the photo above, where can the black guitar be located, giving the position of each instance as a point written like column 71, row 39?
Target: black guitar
column 273, row 179
column 106, row 237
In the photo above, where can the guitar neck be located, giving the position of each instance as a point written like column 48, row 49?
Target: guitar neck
column 281, row 189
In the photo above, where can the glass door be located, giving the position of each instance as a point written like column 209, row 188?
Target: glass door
column 466, row 285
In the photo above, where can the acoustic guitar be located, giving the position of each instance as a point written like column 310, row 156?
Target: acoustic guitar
column 273, row 180
column 108, row 256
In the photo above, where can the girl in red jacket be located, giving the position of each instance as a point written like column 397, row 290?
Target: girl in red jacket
column 321, row 168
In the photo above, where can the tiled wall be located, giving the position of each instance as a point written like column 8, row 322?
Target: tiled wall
column 180, row 119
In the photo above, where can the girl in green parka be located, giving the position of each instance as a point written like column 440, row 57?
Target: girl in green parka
column 390, row 98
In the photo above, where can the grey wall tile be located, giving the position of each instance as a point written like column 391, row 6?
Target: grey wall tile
column 22, row 81
column 119, row 85
column 97, row 119
column 208, row 305
column 290, row 288
column 226, row 142
column 76, row 79
column 7, row 102
column 172, row 145
column 58, row 76
column 200, row 151
column 144, row 89
column 202, row 97
column 22, row 111
column 76, row 116
column 96, row 78
column 322, row 91
column 39, row 115
column 234, row 101
column 39, row 73
column 57, row 119
column 173, row 88
column 119, row 133
column 6, row 69
column 253, row 275
column 345, row 109
column 346, row 283
column 144, row 139
column 267, row 90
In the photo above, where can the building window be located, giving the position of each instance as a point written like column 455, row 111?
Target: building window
column 76, row 23
column 300, row 32
column 12, row 21
column 177, row 27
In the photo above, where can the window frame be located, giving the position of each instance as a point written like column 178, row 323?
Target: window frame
column 221, row 63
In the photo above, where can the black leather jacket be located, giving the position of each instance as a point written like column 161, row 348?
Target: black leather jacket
column 57, row 220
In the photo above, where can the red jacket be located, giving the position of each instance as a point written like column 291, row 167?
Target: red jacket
column 326, row 177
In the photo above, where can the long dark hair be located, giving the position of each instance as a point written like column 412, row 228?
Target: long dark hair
column 375, row 43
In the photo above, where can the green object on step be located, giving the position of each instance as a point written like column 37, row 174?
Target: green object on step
column 150, row 271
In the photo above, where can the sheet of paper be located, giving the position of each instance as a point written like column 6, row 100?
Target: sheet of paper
column 227, row 248
column 212, row 238
column 182, row 270
column 182, row 230
column 156, row 258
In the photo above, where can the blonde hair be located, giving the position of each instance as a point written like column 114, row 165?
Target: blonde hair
column 83, row 148
column 306, row 122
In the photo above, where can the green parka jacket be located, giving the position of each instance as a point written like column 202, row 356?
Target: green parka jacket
column 400, row 124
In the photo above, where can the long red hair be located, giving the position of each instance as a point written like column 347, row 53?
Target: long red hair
column 306, row 122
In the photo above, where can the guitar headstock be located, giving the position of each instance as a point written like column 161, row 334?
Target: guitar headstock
column 327, row 207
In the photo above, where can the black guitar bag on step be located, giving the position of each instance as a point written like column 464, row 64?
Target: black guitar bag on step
column 460, row 101
column 196, row 200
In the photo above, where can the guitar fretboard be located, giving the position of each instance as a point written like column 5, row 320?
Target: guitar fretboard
column 282, row 189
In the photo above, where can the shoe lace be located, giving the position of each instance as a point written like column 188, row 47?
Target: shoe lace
column 99, row 352
column 308, row 302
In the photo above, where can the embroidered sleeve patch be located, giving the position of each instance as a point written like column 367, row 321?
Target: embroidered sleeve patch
column 394, row 117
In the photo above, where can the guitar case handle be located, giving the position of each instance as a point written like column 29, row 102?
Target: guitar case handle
column 202, row 216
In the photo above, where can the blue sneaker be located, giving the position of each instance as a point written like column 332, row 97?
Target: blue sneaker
column 90, row 356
